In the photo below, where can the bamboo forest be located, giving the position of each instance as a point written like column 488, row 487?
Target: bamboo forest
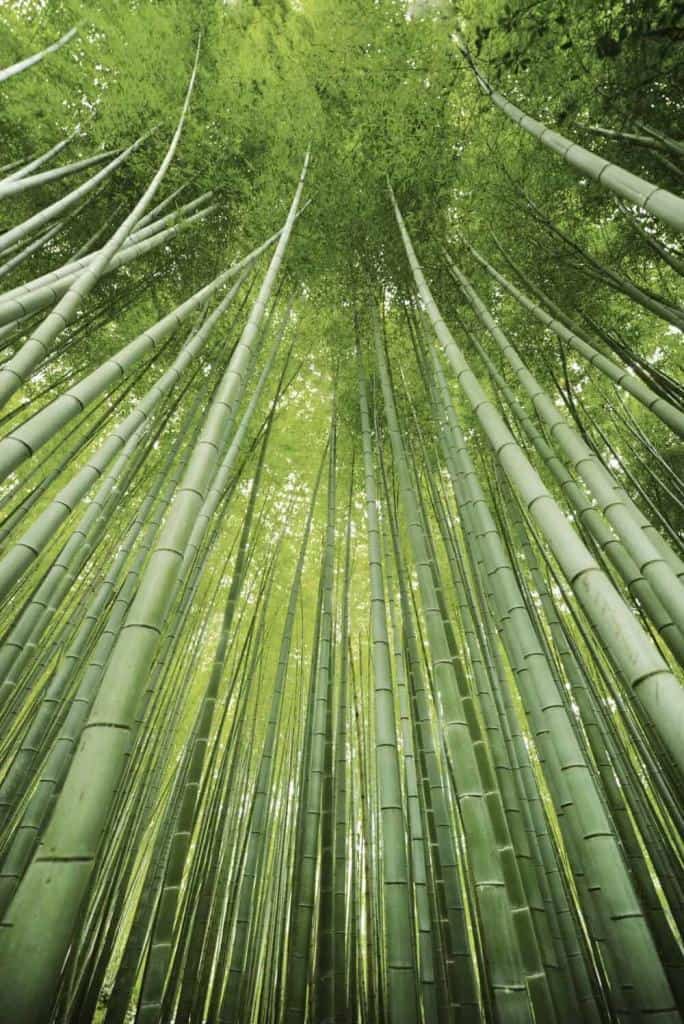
column 341, row 511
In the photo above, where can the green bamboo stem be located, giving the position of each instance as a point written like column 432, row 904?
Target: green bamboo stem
column 459, row 981
column 414, row 817
column 144, row 229
column 23, row 169
column 402, row 995
column 658, row 201
column 59, row 758
column 342, row 793
column 28, row 62
column 608, row 543
column 324, row 991
column 229, row 1004
column 29, row 299
column 25, row 182
column 28, row 629
column 152, row 992
column 668, row 413
column 28, row 437
column 654, row 378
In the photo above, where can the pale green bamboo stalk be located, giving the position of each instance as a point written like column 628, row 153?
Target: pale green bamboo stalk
column 460, row 981
column 534, row 679
column 587, row 827
column 664, row 410
column 397, row 910
column 97, row 417
column 11, row 165
column 25, row 182
column 665, row 306
column 653, row 243
column 241, row 672
column 635, row 751
column 658, row 201
column 536, row 818
column 486, row 824
column 424, row 924
column 658, row 381
column 675, row 146
column 589, row 516
column 670, row 312
column 203, row 943
column 17, row 775
column 186, row 602
column 301, row 945
column 145, row 228
column 117, row 1003
column 324, row 990
column 9, row 265
column 33, row 292
column 604, row 753
column 26, row 632
column 556, row 894
column 226, row 468
column 152, row 992
column 341, row 794
column 42, row 798
column 230, row 962
column 486, row 682
column 27, row 168
column 156, row 210
column 649, row 141
column 27, row 62
column 54, row 694
column 139, row 793
column 26, row 303
column 70, row 555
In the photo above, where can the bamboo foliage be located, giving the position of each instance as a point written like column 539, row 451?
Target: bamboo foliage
column 342, row 632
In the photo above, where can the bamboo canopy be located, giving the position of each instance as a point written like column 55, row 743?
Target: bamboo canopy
column 341, row 513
